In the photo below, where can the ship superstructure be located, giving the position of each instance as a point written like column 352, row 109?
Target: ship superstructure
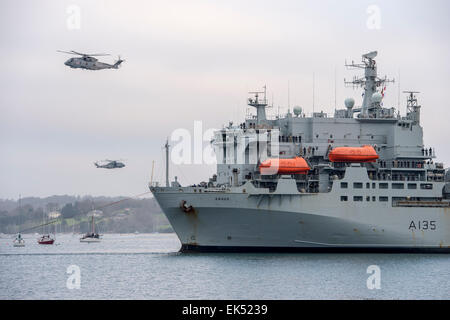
column 360, row 180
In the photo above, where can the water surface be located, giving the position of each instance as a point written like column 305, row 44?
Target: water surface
column 148, row 266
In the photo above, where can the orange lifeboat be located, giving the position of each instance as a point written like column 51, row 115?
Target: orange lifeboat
column 353, row 154
column 295, row 165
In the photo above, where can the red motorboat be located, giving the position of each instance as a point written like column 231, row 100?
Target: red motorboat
column 46, row 239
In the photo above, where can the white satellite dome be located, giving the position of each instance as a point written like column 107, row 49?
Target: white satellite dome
column 297, row 110
column 377, row 97
column 349, row 103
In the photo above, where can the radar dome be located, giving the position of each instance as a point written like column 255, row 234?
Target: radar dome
column 349, row 103
column 297, row 110
column 377, row 97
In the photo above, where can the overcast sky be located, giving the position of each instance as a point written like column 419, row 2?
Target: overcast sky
column 186, row 61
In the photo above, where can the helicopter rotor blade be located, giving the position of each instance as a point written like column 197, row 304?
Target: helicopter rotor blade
column 90, row 55
column 97, row 54
column 66, row 52
column 84, row 54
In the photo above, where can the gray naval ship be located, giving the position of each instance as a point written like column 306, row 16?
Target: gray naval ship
column 361, row 181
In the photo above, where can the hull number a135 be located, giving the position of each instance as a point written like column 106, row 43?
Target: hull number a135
column 422, row 225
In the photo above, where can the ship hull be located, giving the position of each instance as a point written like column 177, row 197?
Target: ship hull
column 236, row 222
column 46, row 242
column 90, row 240
column 189, row 248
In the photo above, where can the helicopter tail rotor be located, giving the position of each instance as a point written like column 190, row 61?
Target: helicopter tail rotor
column 117, row 64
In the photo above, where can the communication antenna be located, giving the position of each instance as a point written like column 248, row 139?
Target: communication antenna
column 335, row 89
column 289, row 97
column 398, row 91
column 272, row 99
column 314, row 75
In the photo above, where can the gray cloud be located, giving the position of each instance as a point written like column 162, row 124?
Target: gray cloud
column 186, row 61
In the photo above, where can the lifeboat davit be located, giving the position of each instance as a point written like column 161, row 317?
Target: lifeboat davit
column 353, row 154
column 295, row 165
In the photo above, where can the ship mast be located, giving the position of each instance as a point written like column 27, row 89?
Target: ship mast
column 260, row 105
column 412, row 107
column 370, row 81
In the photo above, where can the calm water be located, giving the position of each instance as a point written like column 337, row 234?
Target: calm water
column 147, row 266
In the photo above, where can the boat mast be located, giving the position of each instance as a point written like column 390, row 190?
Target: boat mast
column 151, row 177
column 167, row 162
column 20, row 211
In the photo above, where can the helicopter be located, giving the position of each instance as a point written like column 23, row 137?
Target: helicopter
column 111, row 164
column 88, row 62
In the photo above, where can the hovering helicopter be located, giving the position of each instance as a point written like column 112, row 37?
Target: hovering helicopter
column 88, row 62
column 111, row 164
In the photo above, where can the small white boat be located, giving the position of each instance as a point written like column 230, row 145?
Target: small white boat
column 19, row 241
column 91, row 236
column 88, row 238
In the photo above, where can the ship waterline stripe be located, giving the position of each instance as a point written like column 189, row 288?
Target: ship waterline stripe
column 364, row 245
